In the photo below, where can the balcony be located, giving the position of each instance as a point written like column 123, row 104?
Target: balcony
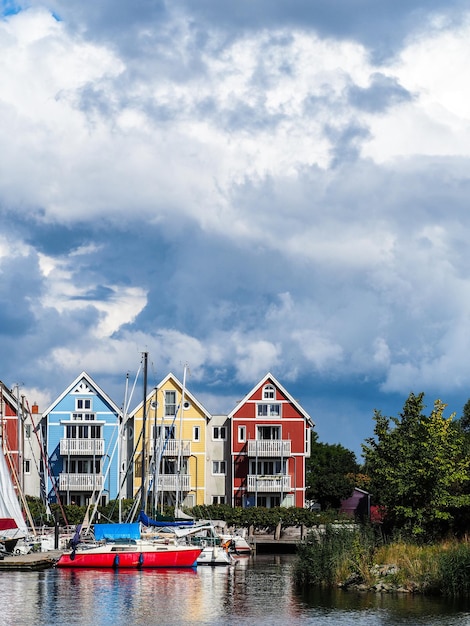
column 268, row 484
column 269, row 447
column 80, row 482
column 175, row 448
column 82, row 447
column 172, row 482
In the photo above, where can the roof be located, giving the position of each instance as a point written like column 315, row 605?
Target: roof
column 178, row 384
column 92, row 383
column 269, row 377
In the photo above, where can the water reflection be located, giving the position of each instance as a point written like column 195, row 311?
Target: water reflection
column 257, row 591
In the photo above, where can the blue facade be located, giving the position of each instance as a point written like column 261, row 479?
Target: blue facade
column 82, row 434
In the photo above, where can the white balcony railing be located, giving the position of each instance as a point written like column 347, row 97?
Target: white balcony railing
column 82, row 447
column 268, row 484
column 269, row 447
column 172, row 482
column 80, row 482
column 172, row 447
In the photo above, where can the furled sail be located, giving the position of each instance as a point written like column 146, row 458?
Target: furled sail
column 10, row 509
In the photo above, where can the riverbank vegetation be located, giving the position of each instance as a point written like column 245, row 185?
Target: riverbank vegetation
column 355, row 559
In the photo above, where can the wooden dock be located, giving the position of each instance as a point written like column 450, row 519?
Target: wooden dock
column 35, row 561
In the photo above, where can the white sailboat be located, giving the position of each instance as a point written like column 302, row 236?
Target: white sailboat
column 12, row 524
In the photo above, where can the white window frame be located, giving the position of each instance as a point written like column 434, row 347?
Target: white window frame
column 219, row 468
column 241, row 434
column 269, row 392
column 217, row 433
column 269, row 412
column 168, row 404
column 196, row 433
column 27, row 466
column 83, row 405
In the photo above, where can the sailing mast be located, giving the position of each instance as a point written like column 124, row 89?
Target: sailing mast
column 144, row 426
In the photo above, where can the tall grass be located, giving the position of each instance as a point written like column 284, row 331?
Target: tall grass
column 454, row 571
column 331, row 555
column 338, row 554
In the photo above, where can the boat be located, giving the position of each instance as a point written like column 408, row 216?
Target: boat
column 236, row 544
column 119, row 546
column 204, row 536
column 12, row 524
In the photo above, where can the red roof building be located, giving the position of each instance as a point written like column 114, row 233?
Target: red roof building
column 270, row 443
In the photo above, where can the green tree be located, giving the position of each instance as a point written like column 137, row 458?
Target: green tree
column 465, row 419
column 330, row 473
column 418, row 468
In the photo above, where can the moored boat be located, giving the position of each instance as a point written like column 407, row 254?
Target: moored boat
column 120, row 546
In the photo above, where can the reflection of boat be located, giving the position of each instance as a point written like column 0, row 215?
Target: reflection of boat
column 120, row 546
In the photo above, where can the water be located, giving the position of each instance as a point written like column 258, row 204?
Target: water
column 258, row 591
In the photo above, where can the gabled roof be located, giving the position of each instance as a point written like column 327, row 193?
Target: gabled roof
column 96, row 388
column 8, row 396
column 269, row 377
column 179, row 385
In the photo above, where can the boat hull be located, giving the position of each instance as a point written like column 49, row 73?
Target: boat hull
column 119, row 558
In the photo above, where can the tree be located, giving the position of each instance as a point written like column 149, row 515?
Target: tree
column 330, row 472
column 465, row 419
column 418, row 468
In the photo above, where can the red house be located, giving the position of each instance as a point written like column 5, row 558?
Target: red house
column 9, row 434
column 270, row 442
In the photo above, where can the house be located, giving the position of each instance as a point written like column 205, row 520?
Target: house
column 357, row 505
column 218, row 466
column 20, row 440
column 82, row 435
column 175, row 446
column 270, row 441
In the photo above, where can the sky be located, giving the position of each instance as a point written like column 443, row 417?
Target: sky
column 243, row 187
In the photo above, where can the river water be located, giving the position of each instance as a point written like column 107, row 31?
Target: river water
column 257, row 591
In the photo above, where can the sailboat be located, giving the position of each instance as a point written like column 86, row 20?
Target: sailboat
column 12, row 524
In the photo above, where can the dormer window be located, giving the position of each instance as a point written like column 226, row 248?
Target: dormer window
column 269, row 393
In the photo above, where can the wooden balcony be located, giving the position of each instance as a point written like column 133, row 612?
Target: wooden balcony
column 82, row 447
column 175, row 448
column 274, row 448
column 268, row 484
column 80, row 482
column 172, row 482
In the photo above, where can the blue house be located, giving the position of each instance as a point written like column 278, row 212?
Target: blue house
column 82, row 435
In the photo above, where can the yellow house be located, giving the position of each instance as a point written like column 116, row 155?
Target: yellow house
column 174, row 446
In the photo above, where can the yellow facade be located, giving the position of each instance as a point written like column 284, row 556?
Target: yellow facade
column 175, row 446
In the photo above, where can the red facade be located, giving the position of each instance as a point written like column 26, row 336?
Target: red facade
column 270, row 442
column 9, row 431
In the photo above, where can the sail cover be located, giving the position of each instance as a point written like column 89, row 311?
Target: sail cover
column 9, row 504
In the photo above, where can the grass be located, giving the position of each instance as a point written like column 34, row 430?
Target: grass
column 339, row 555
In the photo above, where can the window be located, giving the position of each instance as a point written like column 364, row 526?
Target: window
column 83, row 431
column 218, row 499
column 27, row 466
column 269, row 392
column 268, row 432
column 219, row 432
column 81, row 417
column 196, row 433
column 27, row 431
column 268, row 468
column 269, row 410
column 83, row 404
column 241, row 434
column 218, row 467
column 170, row 402
column 168, row 432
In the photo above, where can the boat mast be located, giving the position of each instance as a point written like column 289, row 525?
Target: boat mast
column 144, row 426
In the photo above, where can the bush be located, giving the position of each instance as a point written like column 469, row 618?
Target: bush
column 454, row 571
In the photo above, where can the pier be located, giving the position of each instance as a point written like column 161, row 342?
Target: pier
column 34, row 561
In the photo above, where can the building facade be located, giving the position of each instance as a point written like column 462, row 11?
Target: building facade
column 270, row 441
column 173, row 452
column 82, row 434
